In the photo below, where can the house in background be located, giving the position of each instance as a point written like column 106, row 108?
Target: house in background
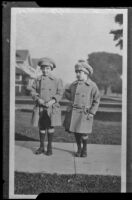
column 24, row 62
column 36, row 67
column 24, row 71
column 21, row 82
column 37, row 72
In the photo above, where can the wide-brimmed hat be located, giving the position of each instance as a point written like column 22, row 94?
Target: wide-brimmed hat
column 84, row 66
column 47, row 62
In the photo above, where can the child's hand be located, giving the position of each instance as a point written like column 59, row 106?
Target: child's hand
column 89, row 116
column 41, row 101
column 50, row 103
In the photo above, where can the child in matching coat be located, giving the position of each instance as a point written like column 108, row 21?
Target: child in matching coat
column 46, row 92
column 84, row 98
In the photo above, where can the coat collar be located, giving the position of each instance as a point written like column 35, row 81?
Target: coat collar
column 87, row 82
column 50, row 76
column 75, row 82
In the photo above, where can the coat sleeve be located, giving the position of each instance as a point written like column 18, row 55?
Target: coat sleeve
column 95, row 100
column 67, row 93
column 59, row 91
column 32, row 87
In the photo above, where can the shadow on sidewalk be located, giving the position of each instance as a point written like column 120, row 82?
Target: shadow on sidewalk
column 33, row 145
column 20, row 137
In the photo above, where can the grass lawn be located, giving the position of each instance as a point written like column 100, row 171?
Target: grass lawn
column 31, row 183
column 104, row 132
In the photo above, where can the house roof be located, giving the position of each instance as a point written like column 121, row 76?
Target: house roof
column 35, row 62
column 21, row 55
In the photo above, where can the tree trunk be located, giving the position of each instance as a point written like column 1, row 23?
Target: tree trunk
column 105, row 90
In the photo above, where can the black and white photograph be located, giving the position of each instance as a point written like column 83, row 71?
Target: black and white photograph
column 68, row 101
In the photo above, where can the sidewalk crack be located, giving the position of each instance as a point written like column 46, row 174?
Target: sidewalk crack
column 74, row 161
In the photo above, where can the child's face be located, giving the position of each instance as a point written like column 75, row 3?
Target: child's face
column 81, row 75
column 46, row 70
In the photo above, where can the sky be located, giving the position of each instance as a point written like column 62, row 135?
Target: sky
column 65, row 37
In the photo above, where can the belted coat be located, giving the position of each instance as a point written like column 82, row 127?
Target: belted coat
column 47, row 88
column 84, row 98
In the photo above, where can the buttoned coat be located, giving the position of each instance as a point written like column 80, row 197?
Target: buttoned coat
column 47, row 88
column 84, row 98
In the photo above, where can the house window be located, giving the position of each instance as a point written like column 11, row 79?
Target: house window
column 18, row 88
column 18, row 77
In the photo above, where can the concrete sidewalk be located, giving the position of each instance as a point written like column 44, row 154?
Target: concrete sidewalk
column 101, row 160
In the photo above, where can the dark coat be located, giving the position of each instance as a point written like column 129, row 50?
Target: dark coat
column 84, row 97
column 47, row 88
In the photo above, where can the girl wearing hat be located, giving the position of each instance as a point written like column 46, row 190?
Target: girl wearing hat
column 84, row 101
column 46, row 92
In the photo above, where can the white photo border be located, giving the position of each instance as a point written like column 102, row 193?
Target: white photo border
column 14, row 12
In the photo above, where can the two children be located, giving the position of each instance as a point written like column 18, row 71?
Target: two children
column 84, row 98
